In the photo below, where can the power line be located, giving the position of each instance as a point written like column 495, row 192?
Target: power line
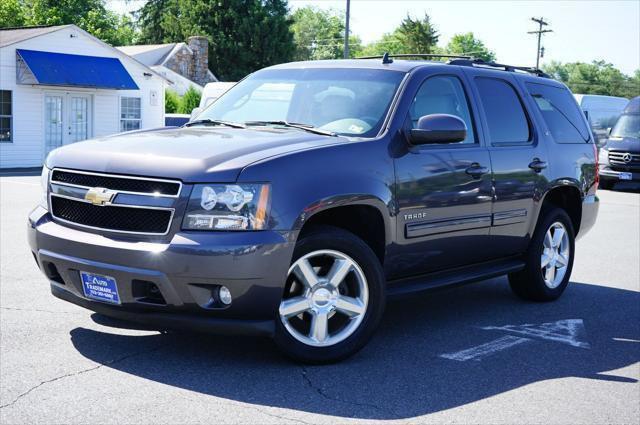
column 541, row 22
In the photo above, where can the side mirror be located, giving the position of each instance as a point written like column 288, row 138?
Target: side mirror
column 194, row 113
column 438, row 128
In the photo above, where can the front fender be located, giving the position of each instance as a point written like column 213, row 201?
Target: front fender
column 305, row 183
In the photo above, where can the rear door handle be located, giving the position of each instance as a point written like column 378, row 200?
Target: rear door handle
column 476, row 170
column 537, row 165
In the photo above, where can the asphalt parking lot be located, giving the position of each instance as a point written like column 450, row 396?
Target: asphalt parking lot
column 457, row 356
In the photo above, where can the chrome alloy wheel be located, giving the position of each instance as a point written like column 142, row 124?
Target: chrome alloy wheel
column 325, row 298
column 555, row 255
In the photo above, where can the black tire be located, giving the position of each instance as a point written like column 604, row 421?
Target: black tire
column 606, row 184
column 529, row 283
column 332, row 238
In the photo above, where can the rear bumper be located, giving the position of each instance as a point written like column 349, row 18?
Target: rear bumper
column 187, row 272
column 590, row 207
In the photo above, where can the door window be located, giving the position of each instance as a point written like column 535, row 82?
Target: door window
column 560, row 112
column 442, row 94
column 503, row 110
column 53, row 122
column 79, row 119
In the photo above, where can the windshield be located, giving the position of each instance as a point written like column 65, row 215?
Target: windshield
column 628, row 125
column 351, row 102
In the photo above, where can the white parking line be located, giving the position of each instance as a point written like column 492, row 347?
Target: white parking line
column 564, row 331
column 487, row 349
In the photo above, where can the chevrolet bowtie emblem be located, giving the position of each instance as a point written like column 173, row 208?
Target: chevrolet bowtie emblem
column 99, row 196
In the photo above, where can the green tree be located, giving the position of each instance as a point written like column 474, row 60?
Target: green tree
column 597, row 77
column 467, row 44
column 319, row 34
column 11, row 13
column 418, row 36
column 244, row 35
column 90, row 15
column 412, row 36
column 190, row 100
column 172, row 102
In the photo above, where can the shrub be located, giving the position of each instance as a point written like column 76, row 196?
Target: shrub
column 171, row 102
column 190, row 100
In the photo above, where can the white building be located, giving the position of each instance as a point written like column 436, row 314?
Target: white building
column 60, row 85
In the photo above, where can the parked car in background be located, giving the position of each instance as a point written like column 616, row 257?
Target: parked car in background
column 310, row 191
column 619, row 158
column 602, row 112
column 212, row 91
column 176, row 120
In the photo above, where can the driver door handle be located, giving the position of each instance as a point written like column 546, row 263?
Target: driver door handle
column 537, row 165
column 476, row 170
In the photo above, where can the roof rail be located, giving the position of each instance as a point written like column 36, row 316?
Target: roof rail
column 461, row 60
column 416, row 55
column 511, row 68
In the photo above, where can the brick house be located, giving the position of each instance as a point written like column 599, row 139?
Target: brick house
column 184, row 64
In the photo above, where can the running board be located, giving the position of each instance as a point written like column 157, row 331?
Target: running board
column 455, row 277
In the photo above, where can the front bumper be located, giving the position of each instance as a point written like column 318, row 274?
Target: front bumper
column 187, row 271
column 606, row 173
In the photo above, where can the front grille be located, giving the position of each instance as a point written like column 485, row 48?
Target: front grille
column 618, row 159
column 127, row 184
column 120, row 219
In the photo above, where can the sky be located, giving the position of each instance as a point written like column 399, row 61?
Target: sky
column 582, row 30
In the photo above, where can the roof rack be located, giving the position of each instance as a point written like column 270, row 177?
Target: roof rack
column 461, row 60
column 511, row 68
column 388, row 56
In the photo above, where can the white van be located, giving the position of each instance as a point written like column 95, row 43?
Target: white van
column 212, row 91
column 601, row 111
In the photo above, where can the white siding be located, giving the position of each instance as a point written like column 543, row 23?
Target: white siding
column 27, row 148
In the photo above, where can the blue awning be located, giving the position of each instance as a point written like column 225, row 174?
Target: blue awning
column 60, row 69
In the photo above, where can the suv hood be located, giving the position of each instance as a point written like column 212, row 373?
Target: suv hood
column 193, row 154
column 627, row 144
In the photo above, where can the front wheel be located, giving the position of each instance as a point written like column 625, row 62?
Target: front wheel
column 549, row 259
column 333, row 298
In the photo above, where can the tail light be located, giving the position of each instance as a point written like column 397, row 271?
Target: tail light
column 597, row 178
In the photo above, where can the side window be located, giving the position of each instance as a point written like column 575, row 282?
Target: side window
column 130, row 113
column 560, row 112
column 442, row 94
column 6, row 116
column 505, row 116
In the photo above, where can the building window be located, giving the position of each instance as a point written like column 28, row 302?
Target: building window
column 130, row 113
column 6, row 116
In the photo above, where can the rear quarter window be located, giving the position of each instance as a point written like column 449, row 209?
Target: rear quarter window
column 560, row 112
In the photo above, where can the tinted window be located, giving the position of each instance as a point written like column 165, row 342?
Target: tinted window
column 502, row 107
column 560, row 112
column 442, row 95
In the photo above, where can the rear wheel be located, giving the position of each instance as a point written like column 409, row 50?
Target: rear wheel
column 549, row 260
column 333, row 298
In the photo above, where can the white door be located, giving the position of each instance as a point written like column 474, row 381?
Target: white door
column 67, row 119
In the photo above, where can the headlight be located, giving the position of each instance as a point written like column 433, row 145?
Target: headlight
column 228, row 207
column 44, row 185
column 603, row 156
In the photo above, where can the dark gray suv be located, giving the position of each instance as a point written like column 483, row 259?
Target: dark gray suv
column 310, row 192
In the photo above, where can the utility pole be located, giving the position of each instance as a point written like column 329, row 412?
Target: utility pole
column 540, row 31
column 346, row 31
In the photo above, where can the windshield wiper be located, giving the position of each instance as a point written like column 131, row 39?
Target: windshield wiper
column 305, row 127
column 215, row 122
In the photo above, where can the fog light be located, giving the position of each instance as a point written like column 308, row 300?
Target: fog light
column 224, row 295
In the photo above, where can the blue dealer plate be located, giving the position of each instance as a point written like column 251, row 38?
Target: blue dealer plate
column 100, row 288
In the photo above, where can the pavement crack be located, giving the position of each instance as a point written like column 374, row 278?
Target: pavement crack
column 35, row 310
column 80, row 372
column 323, row 394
